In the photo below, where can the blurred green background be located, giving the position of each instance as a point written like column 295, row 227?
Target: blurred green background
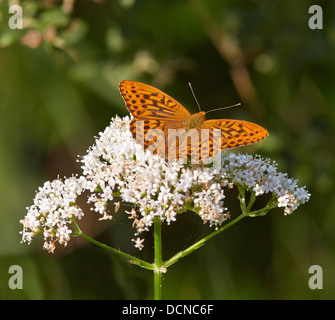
column 59, row 80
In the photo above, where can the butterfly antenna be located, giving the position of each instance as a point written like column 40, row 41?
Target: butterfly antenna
column 195, row 98
column 234, row 105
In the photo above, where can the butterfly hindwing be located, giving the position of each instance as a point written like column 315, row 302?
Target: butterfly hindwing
column 156, row 141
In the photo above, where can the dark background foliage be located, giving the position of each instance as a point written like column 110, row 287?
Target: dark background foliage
column 59, row 87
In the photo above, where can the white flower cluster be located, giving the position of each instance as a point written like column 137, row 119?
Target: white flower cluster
column 261, row 176
column 118, row 167
column 53, row 210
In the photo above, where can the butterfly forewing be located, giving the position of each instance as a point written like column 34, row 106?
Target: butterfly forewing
column 151, row 109
column 234, row 133
column 146, row 102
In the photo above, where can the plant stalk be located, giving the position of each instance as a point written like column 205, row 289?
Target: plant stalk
column 201, row 242
column 158, row 259
column 133, row 260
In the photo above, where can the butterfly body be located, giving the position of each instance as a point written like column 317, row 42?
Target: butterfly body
column 194, row 121
column 152, row 109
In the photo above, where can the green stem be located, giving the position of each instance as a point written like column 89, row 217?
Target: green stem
column 130, row 258
column 262, row 212
column 245, row 213
column 160, row 267
column 158, row 259
column 201, row 242
column 251, row 201
column 241, row 198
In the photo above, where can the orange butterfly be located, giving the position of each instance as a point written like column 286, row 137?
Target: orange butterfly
column 163, row 126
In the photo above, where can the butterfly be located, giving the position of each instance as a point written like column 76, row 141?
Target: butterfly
column 163, row 126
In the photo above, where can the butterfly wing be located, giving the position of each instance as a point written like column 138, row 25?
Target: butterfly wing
column 145, row 102
column 229, row 134
column 151, row 109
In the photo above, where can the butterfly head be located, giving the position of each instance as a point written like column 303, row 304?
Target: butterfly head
column 195, row 120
